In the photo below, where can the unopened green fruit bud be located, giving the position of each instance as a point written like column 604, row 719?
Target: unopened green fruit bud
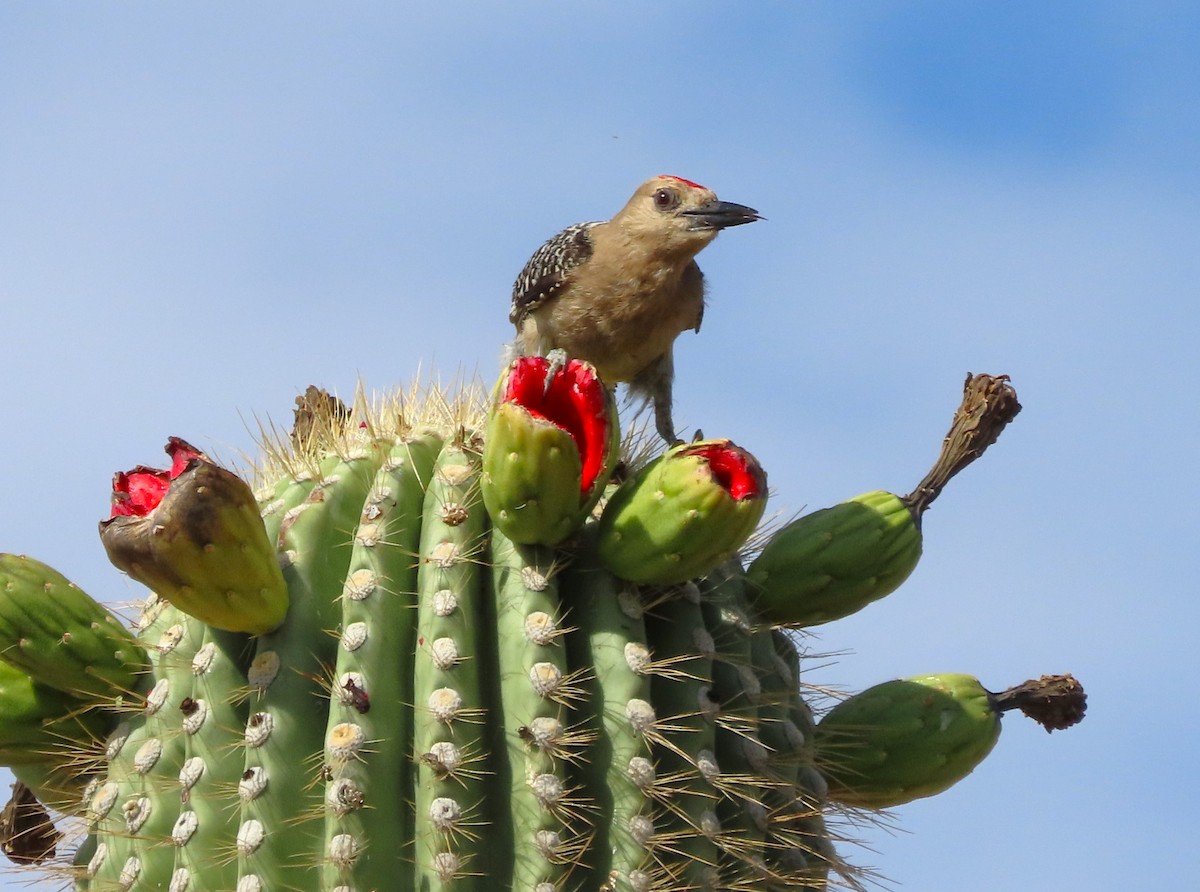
column 683, row 514
column 835, row 561
column 911, row 738
column 549, row 450
column 194, row 535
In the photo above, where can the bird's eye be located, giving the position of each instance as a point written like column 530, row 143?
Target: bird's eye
column 665, row 199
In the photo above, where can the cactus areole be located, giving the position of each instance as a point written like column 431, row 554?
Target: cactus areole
column 415, row 658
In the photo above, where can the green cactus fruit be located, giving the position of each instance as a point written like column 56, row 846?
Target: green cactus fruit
column 192, row 533
column 443, row 708
column 40, row 725
column 549, row 449
column 836, row 561
column 683, row 514
column 53, row 631
column 910, row 738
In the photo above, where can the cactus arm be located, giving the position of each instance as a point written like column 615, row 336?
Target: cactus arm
column 369, row 797
column 791, row 852
column 213, row 717
column 740, row 810
column 277, row 843
column 536, row 689
column 681, row 685
column 450, row 712
column 133, row 809
column 61, row 636
column 618, row 772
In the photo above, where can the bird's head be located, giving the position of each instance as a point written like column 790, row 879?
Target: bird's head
column 684, row 216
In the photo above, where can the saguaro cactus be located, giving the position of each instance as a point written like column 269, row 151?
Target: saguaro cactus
column 417, row 658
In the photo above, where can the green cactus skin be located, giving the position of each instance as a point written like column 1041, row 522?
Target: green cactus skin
column 533, row 477
column 59, row 635
column 683, row 514
column 367, row 796
column 212, row 722
column 39, row 724
column 444, row 709
column 735, row 687
column 833, row 562
column 133, row 810
column 275, row 845
column 618, row 770
column 537, row 691
column 451, row 684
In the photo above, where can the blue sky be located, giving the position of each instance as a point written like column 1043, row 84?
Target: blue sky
column 204, row 208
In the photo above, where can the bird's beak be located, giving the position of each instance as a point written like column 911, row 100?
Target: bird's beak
column 720, row 215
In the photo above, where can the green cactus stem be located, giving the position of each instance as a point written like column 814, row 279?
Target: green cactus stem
column 907, row 739
column 538, row 693
column 55, row 632
column 41, row 725
column 135, row 806
column 836, row 561
column 452, row 685
column 367, row 797
column 278, row 839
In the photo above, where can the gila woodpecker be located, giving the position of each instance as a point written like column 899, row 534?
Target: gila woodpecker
column 618, row 293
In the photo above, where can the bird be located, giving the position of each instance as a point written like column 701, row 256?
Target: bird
column 617, row 293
